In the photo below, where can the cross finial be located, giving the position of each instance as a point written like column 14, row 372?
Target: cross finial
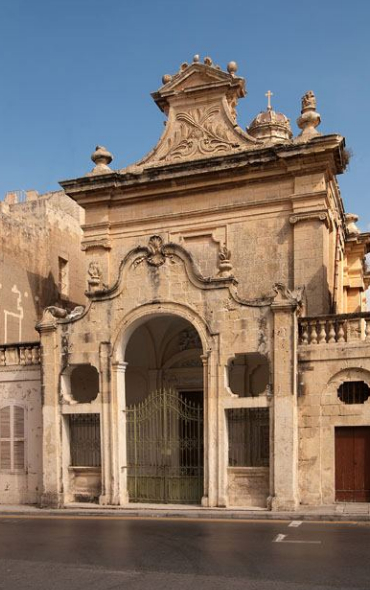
column 269, row 94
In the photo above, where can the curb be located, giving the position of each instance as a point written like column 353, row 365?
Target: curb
column 185, row 515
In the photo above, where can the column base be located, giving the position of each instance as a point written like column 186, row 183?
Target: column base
column 105, row 500
column 51, row 500
column 279, row 504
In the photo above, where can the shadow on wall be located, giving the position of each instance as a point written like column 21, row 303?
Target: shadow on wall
column 318, row 297
column 45, row 292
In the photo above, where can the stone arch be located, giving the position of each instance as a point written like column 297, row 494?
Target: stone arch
column 180, row 357
column 329, row 392
column 129, row 323
column 139, row 316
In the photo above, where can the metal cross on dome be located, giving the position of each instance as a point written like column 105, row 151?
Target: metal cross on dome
column 269, row 94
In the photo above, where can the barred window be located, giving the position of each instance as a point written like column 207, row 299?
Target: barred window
column 353, row 392
column 85, row 440
column 248, row 430
column 12, row 438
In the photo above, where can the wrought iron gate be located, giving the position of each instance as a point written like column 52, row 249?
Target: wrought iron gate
column 165, row 449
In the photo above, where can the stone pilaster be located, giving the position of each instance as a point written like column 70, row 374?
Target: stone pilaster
column 285, row 425
column 107, row 436
column 311, row 258
column 52, row 496
column 211, row 429
column 120, row 491
column 205, row 498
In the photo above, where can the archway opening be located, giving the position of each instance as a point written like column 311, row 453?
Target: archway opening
column 164, row 412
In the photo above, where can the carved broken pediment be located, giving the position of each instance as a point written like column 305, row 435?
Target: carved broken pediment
column 200, row 102
column 199, row 132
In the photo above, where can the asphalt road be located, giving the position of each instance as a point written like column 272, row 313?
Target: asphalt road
column 106, row 553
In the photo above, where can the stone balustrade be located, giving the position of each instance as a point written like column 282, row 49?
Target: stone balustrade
column 334, row 329
column 25, row 353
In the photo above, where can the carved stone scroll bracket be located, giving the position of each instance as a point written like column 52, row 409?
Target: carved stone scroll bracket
column 53, row 315
column 310, row 216
column 286, row 298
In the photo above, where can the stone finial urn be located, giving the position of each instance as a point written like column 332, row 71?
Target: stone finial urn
column 309, row 119
column 101, row 158
column 351, row 220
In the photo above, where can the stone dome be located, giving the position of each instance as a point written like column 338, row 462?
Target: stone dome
column 271, row 127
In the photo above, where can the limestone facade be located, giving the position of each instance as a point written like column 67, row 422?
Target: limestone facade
column 220, row 268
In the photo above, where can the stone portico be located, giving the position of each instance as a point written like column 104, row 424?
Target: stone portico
column 223, row 348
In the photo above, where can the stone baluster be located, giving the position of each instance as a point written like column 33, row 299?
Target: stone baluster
column 353, row 329
column 331, row 332
column 322, row 332
column 21, row 355
column 35, row 355
column 304, row 332
column 313, row 338
column 28, row 354
column 340, row 331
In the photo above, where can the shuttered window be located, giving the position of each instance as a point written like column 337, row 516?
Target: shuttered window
column 12, row 438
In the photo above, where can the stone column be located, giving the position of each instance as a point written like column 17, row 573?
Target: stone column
column 120, row 492
column 222, row 435
column 107, row 436
column 51, row 440
column 211, row 421
column 285, row 424
column 205, row 498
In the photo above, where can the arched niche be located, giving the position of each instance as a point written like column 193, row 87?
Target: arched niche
column 80, row 384
column 248, row 374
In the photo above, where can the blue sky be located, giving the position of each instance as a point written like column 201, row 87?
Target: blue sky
column 77, row 73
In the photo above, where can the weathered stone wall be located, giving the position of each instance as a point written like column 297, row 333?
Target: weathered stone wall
column 323, row 368
column 33, row 235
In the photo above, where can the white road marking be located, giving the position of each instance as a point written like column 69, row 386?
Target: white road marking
column 295, row 523
column 310, row 542
column 279, row 538
column 282, row 539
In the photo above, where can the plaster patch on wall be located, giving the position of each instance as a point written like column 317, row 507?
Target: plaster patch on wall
column 9, row 315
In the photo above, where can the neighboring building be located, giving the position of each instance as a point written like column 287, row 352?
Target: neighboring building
column 222, row 357
column 40, row 265
column 40, row 260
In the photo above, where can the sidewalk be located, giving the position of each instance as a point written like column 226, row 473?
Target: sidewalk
column 337, row 512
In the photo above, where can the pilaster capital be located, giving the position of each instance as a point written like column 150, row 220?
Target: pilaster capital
column 309, row 216
column 205, row 358
column 119, row 367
